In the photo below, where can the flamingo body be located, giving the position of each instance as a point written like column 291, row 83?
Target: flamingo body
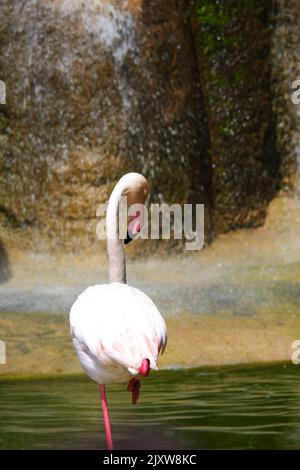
column 114, row 327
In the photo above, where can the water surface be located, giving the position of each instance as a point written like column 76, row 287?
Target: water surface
column 228, row 408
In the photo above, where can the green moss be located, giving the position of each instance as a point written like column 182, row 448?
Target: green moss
column 232, row 41
column 210, row 14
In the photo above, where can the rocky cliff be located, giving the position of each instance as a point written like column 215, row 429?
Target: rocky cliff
column 182, row 91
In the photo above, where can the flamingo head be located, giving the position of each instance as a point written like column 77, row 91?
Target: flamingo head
column 137, row 193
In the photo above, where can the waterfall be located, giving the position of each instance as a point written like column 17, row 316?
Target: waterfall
column 96, row 88
column 115, row 30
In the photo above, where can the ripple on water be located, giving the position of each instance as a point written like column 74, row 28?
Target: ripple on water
column 233, row 408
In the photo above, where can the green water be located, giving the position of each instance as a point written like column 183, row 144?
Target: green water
column 205, row 409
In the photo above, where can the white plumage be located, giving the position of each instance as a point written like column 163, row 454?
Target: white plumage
column 114, row 327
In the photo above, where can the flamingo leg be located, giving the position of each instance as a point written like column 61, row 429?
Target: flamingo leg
column 106, row 417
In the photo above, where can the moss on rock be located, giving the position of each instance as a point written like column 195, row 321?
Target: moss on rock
column 233, row 45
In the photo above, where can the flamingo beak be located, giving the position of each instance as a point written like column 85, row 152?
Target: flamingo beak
column 134, row 228
column 128, row 239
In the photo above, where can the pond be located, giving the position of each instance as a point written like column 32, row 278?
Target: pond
column 225, row 408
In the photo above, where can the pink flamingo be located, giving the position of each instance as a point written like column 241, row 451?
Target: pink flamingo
column 116, row 329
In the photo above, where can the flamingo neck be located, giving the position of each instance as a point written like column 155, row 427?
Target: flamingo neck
column 115, row 250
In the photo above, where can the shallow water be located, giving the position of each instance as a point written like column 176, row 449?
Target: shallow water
column 251, row 408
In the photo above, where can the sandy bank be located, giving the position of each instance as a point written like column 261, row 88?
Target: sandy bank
column 40, row 343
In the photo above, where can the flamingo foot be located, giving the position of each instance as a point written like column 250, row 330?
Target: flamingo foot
column 134, row 386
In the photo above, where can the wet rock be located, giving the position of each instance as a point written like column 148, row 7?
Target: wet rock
column 233, row 49
column 95, row 89
column 285, row 54
column 194, row 94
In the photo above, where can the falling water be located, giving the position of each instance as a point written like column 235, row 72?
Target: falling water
column 115, row 30
column 99, row 87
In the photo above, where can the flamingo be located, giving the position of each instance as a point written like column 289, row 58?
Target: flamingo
column 116, row 329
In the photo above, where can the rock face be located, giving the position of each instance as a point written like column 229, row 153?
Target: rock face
column 96, row 89
column 285, row 69
column 180, row 91
column 233, row 48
